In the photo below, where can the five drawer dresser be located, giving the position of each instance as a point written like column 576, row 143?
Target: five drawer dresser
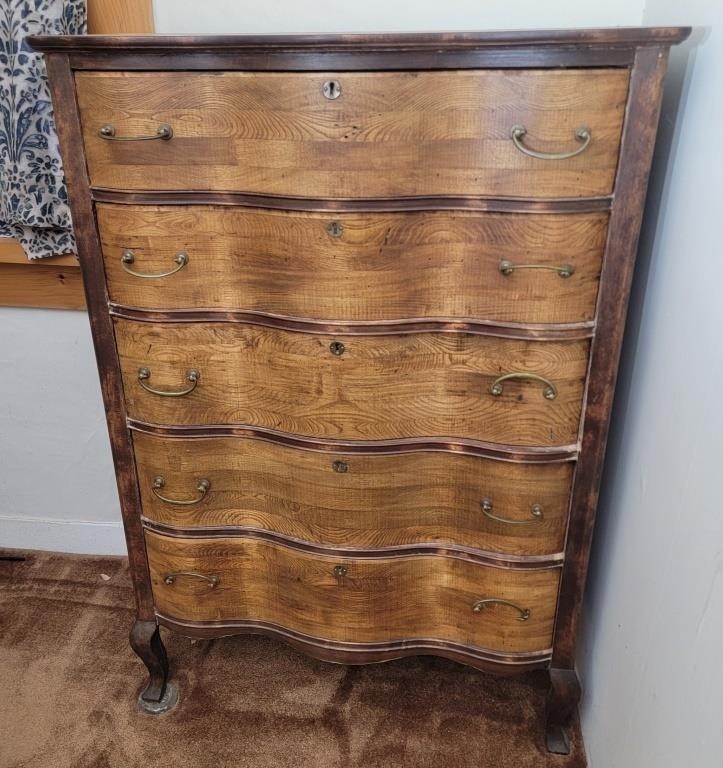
column 358, row 303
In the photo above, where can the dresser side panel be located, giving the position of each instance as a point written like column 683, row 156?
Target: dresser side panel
column 89, row 250
column 643, row 109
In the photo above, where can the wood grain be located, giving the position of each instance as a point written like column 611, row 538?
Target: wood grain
column 384, row 599
column 11, row 252
column 388, row 134
column 120, row 16
column 42, row 285
column 381, row 267
column 378, row 501
column 380, row 388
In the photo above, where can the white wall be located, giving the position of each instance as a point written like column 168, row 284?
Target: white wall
column 318, row 16
column 57, row 487
column 652, row 660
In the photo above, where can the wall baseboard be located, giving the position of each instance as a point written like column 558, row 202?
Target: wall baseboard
column 82, row 537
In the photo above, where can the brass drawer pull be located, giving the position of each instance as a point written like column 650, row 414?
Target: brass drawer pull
column 507, row 268
column 170, row 578
column 480, row 604
column 549, row 392
column 535, row 510
column 128, row 257
column 340, row 571
column 163, row 132
column 582, row 134
column 192, row 375
column 203, row 487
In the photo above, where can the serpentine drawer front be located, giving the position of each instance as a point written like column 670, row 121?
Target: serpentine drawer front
column 360, row 388
column 373, row 600
column 384, row 134
column 358, row 304
column 534, row 268
column 352, row 500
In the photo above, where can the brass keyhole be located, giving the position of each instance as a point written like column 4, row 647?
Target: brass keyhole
column 335, row 228
column 337, row 348
column 340, row 571
column 332, row 89
column 340, row 466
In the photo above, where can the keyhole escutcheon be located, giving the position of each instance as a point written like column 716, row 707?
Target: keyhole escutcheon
column 332, row 89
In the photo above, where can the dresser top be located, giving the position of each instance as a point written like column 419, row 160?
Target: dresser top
column 624, row 37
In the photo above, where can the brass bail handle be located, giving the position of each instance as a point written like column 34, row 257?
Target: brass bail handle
column 582, row 134
column 203, row 488
column 192, row 376
column 549, row 390
column 536, row 511
column 164, row 132
column 506, row 268
column 128, row 257
column 479, row 605
column 170, row 578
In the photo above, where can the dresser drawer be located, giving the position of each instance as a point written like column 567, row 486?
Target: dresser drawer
column 354, row 600
column 359, row 388
column 352, row 500
column 525, row 268
column 388, row 134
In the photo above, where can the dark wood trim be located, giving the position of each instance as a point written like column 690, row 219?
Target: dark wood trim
column 514, row 453
column 145, row 640
column 67, row 121
column 549, row 332
column 562, row 699
column 378, row 42
column 459, row 552
column 381, row 205
column 361, row 52
column 264, row 60
column 364, row 653
column 636, row 155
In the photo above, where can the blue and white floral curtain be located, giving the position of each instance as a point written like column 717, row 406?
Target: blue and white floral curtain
column 33, row 201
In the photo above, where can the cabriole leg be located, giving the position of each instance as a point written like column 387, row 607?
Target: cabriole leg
column 562, row 701
column 159, row 695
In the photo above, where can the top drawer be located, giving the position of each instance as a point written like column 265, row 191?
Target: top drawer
column 383, row 135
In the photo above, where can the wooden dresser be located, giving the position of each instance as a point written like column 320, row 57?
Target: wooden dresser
column 357, row 304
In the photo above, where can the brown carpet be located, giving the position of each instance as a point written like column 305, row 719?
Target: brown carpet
column 69, row 681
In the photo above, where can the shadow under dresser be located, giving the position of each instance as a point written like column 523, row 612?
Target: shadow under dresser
column 357, row 303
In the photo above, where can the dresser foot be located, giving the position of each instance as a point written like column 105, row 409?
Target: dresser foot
column 159, row 695
column 167, row 702
column 562, row 701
